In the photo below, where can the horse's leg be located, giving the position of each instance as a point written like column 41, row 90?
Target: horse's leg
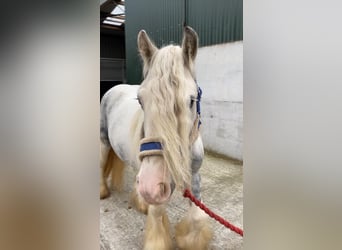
column 118, row 167
column 106, row 167
column 157, row 231
column 137, row 201
column 110, row 163
column 194, row 231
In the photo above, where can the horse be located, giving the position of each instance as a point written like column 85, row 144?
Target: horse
column 154, row 126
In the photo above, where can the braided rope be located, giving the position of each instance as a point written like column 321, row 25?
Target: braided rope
column 188, row 194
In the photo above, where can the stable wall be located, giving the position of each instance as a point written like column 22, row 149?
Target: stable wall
column 219, row 71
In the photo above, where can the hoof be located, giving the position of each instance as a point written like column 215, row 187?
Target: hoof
column 104, row 193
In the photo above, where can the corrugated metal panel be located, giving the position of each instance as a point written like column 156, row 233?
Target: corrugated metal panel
column 112, row 69
column 217, row 21
column 112, row 46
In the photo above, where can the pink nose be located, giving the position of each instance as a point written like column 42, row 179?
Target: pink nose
column 154, row 193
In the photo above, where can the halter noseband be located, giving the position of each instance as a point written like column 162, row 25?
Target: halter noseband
column 150, row 146
column 153, row 146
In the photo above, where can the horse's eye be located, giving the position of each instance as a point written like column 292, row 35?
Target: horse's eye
column 192, row 103
column 193, row 99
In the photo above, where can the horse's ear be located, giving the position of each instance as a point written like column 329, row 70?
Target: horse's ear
column 145, row 46
column 189, row 44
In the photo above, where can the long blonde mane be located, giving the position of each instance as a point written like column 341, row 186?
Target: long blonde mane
column 168, row 84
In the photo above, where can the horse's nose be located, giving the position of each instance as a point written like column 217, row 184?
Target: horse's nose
column 155, row 194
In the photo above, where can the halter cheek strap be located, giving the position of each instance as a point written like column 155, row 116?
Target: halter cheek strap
column 198, row 105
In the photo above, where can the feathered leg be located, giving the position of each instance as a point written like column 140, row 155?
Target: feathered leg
column 157, row 231
column 194, row 231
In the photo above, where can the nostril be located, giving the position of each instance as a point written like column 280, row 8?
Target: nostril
column 137, row 180
column 163, row 189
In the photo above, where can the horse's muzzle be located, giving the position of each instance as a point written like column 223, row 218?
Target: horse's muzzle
column 155, row 194
column 154, row 182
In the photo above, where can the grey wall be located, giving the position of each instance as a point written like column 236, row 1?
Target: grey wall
column 219, row 70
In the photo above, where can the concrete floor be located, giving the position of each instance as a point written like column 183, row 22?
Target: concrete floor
column 122, row 228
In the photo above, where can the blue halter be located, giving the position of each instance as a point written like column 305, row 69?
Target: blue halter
column 155, row 145
column 150, row 146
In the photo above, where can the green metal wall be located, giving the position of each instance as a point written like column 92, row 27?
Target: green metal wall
column 216, row 21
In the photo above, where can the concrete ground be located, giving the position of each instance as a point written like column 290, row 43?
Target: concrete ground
column 122, row 227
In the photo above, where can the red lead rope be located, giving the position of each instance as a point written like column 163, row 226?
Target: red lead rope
column 188, row 194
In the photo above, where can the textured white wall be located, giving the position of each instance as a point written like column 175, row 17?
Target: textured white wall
column 219, row 70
